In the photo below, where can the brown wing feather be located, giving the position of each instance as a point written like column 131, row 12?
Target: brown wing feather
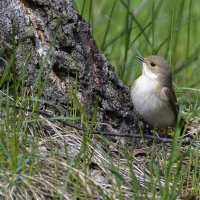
column 169, row 92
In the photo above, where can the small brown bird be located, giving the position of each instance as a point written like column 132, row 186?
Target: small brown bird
column 153, row 95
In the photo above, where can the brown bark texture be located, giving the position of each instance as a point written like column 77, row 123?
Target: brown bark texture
column 74, row 51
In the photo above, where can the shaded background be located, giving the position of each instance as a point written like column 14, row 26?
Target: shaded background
column 124, row 28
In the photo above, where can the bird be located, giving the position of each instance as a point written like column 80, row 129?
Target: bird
column 152, row 94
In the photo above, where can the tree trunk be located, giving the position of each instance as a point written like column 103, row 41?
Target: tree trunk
column 37, row 23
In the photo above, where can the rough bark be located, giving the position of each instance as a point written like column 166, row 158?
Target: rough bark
column 75, row 51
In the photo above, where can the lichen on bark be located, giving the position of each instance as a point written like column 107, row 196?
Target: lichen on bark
column 74, row 52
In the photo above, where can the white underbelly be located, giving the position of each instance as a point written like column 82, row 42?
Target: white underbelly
column 152, row 109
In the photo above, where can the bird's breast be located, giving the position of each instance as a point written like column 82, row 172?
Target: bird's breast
column 149, row 104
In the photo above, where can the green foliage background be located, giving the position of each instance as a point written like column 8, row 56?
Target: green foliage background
column 124, row 28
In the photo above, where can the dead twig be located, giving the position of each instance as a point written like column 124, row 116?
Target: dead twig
column 186, row 140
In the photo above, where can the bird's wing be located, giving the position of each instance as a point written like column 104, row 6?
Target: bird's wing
column 171, row 97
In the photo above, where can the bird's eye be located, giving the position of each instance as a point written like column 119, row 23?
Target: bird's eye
column 153, row 64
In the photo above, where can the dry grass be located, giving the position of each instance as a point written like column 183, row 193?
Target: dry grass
column 70, row 164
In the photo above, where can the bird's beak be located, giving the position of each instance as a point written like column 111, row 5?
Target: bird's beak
column 140, row 58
